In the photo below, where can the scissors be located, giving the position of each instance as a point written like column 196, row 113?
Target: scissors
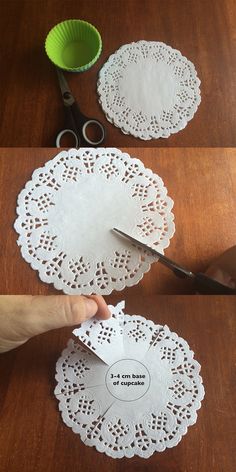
column 75, row 122
column 203, row 283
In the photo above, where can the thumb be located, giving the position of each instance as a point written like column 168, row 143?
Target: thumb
column 24, row 316
column 43, row 313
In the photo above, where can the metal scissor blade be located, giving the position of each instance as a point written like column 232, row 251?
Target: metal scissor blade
column 67, row 96
column 178, row 270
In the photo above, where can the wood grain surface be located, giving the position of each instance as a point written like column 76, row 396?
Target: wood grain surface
column 203, row 30
column 202, row 183
column 33, row 437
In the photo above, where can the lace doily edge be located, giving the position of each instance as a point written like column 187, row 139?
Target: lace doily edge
column 100, row 447
column 127, row 131
column 160, row 135
column 60, row 286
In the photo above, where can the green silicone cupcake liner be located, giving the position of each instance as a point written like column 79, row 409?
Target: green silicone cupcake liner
column 73, row 45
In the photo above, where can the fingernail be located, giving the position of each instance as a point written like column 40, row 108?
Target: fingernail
column 91, row 307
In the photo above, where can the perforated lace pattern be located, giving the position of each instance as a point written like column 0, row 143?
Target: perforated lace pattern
column 134, row 118
column 71, row 244
column 152, row 423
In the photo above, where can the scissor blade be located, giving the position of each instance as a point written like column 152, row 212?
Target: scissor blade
column 163, row 259
column 67, row 96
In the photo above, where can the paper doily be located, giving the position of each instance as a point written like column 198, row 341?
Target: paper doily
column 149, row 90
column 140, row 398
column 67, row 211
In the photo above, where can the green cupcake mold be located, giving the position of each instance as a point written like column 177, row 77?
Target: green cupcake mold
column 73, row 45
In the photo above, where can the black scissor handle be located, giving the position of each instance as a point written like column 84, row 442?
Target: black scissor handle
column 81, row 124
column 76, row 124
column 99, row 125
column 208, row 285
column 67, row 131
column 86, row 139
column 70, row 128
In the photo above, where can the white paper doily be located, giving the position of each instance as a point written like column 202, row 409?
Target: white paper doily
column 139, row 397
column 149, row 90
column 67, row 211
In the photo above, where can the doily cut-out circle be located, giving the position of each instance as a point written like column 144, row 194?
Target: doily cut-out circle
column 127, row 380
column 149, row 90
column 128, row 407
column 66, row 213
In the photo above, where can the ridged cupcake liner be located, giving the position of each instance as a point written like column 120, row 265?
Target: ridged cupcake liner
column 73, row 45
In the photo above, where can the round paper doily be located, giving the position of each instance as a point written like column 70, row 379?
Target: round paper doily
column 143, row 401
column 149, row 90
column 67, row 211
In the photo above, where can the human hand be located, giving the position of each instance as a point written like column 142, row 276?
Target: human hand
column 25, row 316
column 223, row 269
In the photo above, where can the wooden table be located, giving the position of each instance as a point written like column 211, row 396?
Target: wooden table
column 33, row 437
column 30, row 103
column 202, row 183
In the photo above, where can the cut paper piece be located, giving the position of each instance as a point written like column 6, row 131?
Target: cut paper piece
column 104, row 338
column 66, row 213
column 149, row 90
column 139, row 400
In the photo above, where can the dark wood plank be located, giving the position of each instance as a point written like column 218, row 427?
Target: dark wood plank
column 33, row 437
column 204, row 31
column 202, row 183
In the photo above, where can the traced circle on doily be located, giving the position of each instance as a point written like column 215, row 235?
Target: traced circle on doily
column 98, row 184
column 124, row 379
column 148, row 89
